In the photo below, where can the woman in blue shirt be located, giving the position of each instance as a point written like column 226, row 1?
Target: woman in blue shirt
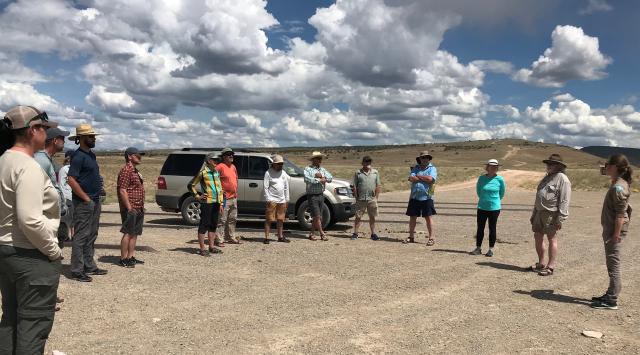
column 490, row 189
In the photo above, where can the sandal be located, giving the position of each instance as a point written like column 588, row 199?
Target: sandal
column 324, row 237
column 409, row 240
column 548, row 271
column 312, row 237
column 537, row 267
column 215, row 251
column 431, row 242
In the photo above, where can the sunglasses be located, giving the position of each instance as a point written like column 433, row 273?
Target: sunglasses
column 42, row 116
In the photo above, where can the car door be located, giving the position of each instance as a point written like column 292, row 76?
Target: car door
column 254, row 185
column 240, row 161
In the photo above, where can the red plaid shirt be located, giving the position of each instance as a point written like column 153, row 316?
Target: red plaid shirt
column 131, row 180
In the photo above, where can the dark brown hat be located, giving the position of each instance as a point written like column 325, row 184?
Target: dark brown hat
column 555, row 159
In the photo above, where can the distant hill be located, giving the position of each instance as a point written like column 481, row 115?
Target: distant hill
column 605, row 151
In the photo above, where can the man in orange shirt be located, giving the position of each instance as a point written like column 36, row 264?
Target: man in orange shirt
column 229, row 180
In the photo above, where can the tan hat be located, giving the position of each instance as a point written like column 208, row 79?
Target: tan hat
column 425, row 153
column 21, row 117
column 277, row 159
column 316, row 154
column 83, row 129
column 555, row 159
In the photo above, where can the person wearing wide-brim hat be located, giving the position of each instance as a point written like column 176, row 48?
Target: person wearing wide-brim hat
column 551, row 209
column 316, row 177
column 206, row 187
column 423, row 178
column 490, row 189
column 86, row 186
column 276, row 193
column 30, row 257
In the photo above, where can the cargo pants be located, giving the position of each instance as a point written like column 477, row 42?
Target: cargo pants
column 228, row 219
column 86, row 220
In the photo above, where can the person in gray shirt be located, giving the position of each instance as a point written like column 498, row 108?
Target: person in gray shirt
column 550, row 210
column 54, row 144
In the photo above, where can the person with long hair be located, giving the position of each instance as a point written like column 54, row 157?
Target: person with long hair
column 615, row 216
column 29, row 252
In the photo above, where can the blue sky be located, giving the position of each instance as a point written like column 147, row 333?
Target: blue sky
column 314, row 72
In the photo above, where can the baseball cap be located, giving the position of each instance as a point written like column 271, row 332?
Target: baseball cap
column 21, row 117
column 213, row 156
column 493, row 162
column 56, row 132
column 133, row 151
column 227, row 151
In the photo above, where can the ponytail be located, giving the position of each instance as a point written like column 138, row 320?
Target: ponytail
column 625, row 171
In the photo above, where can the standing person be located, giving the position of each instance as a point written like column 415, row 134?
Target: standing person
column 229, row 180
column 207, row 188
column 316, row 178
column 551, row 209
column 367, row 187
column 86, row 186
column 131, row 200
column 276, row 193
column 63, row 182
column 29, row 252
column 616, row 213
column 490, row 189
column 423, row 179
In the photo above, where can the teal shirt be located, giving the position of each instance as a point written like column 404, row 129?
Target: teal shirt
column 490, row 191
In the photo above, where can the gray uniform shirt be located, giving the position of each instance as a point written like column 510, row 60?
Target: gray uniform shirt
column 366, row 184
column 616, row 204
column 554, row 195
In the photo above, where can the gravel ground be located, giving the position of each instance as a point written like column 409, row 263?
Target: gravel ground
column 345, row 296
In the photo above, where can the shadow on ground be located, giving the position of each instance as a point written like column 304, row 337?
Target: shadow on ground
column 502, row 266
column 550, row 295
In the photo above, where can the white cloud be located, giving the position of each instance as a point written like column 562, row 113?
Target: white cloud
column 594, row 6
column 494, row 66
column 573, row 55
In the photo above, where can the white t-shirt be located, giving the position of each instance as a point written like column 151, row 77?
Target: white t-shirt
column 63, row 182
column 276, row 186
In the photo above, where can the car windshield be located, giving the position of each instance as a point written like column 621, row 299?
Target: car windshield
column 292, row 169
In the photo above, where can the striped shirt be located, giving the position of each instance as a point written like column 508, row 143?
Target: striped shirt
column 314, row 186
column 209, row 181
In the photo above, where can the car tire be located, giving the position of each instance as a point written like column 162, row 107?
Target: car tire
column 304, row 216
column 190, row 210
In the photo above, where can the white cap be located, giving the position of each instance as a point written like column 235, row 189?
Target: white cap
column 493, row 162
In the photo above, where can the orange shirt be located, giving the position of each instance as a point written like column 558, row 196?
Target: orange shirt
column 229, row 180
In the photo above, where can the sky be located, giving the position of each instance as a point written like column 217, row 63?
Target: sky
column 248, row 73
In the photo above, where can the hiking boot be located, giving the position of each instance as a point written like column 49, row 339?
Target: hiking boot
column 612, row 305
column 354, row 236
column 97, row 271
column 81, row 277
column 215, row 251
column 476, row 251
column 489, row 253
column 374, row 237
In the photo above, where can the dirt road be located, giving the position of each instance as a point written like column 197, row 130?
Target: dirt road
column 361, row 296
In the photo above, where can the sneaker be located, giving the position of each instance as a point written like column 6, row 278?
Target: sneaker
column 602, row 298
column 476, row 251
column 284, row 240
column 126, row 263
column 374, row 237
column 354, row 236
column 97, row 272
column 489, row 253
column 136, row 261
column 81, row 277
column 204, row 253
column 266, row 241
column 612, row 305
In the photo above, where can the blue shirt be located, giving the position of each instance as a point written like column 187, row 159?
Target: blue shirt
column 422, row 190
column 490, row 192
column 84, row 168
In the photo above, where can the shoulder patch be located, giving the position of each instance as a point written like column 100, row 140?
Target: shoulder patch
column 618, row 188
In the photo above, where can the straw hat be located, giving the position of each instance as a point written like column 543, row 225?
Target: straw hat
column 555, row 159
column 83, row 129
column 277, row 159
column 316, row 155
column 425, row 153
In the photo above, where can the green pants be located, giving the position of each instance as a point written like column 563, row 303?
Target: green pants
column 29, row 284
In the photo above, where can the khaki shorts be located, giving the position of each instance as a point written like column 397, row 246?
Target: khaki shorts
column 371, row 207
column 544, row 222
column 276, row 211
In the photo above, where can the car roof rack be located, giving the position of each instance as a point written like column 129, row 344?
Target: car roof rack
column 240, row 150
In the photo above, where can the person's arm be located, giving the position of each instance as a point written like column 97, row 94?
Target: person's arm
column 327, row 175
column 265, row 184
column 620, row 206
column 29, row 215
column 286, row 187
column 124, row 180
column 309, row 176
column 503, row 188
column 431, row 177
column 413, row 176
column 564, row 198
column 192, row 186
column 77, row 190
column 478, row 190
column 355, row 185
column 378, row 185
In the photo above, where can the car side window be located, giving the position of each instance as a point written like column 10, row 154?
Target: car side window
column 240, row 161
column 257, row 167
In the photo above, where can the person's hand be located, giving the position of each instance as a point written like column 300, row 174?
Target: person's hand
column 614, row 239
column 413, row 179
column 221, row 209
column 318, row 175
column 558, row 226
column 203, row 197
column 323, row 180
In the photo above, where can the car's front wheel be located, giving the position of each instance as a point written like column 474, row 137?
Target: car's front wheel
column 304, row 216
column 190, row 210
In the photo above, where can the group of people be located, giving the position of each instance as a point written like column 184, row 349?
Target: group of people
column 39, row 209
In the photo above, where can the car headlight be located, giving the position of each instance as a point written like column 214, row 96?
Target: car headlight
column 343, row 191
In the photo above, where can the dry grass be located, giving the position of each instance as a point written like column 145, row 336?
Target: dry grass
column 584, row 180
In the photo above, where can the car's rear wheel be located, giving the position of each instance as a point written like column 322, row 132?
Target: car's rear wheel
column 190, row 210
column 304, row 216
